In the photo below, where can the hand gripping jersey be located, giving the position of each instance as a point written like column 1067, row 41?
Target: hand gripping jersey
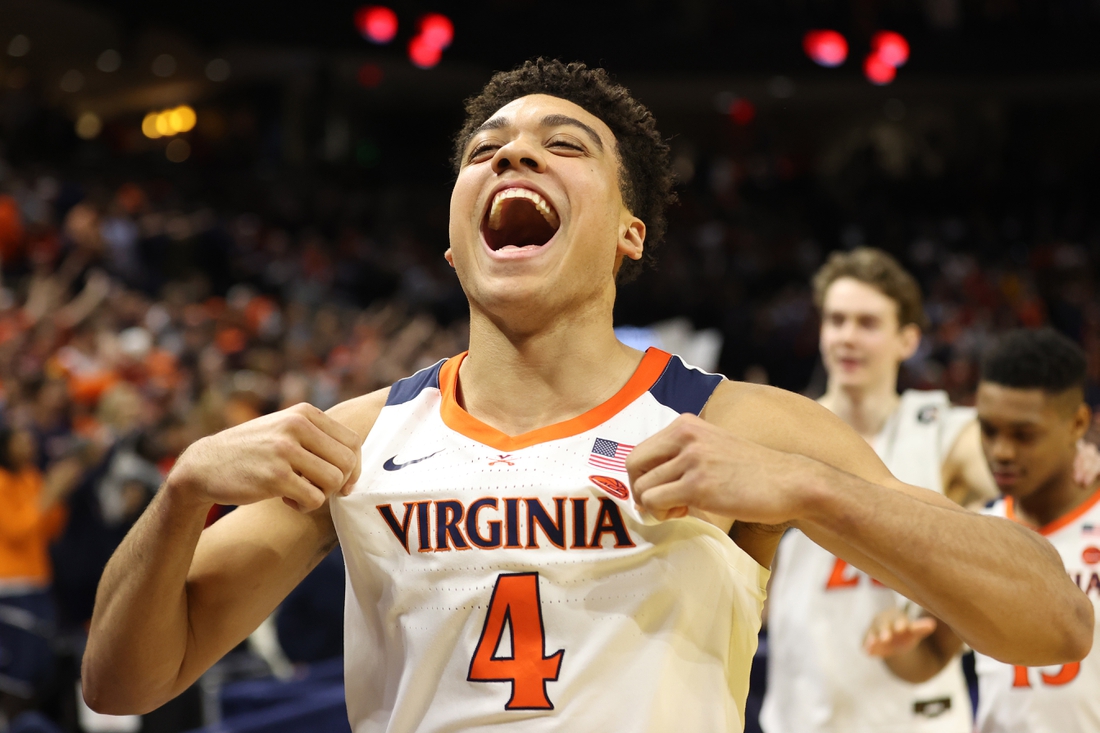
column 508, row 583
column 819, row 678
column 1060, row 699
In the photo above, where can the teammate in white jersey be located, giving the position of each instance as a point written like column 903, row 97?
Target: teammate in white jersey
column 820, row 680
column 617, row 587
column 1031, row 410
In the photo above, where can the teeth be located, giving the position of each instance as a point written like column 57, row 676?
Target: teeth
column 520, row 193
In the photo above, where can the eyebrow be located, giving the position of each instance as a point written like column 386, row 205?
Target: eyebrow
column 1013, row 424
column 497, row 123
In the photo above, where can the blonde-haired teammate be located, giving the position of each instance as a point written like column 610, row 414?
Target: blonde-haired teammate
column 1032, row 411
column 536, row 531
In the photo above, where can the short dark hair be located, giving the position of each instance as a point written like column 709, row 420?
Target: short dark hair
column 645, row 174
column 879, row 270
column 1035, row 359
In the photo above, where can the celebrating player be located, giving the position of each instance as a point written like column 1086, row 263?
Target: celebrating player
column 1031, row 410
column 535, row 531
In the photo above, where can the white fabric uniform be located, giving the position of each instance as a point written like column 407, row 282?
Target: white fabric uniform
column 509, row 583
column 819, row 678
column 1050, row 699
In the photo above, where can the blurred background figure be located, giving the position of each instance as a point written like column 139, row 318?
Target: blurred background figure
column 32, row 514
column 1032, row 414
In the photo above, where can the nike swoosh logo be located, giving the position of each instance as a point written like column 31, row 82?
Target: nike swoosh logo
column 389, row 465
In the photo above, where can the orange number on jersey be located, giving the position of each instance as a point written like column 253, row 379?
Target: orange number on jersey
column 1065, row 675
column 516, row 600
column 838, row 578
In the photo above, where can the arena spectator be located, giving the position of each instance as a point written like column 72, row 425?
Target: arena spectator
column 31, row 514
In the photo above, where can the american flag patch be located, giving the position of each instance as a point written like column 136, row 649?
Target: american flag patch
column 609, row 455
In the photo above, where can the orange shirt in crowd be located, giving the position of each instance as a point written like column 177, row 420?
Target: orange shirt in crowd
column 26, row 529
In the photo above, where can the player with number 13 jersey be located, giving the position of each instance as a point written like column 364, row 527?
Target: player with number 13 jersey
column 1062, row 698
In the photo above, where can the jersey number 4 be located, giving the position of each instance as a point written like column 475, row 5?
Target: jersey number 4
column 516, row 602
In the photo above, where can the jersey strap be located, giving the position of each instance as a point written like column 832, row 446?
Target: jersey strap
column 408, row 388
column 683, row 388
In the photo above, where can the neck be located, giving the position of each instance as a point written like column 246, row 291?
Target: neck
column 865, row 409
column 1060, row 496
column 518, row 381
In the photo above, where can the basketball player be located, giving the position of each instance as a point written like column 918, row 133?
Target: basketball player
column 1031, row 409
column 535, row 531
column 819, row 678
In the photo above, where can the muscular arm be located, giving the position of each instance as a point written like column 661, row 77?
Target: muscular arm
column 767, row 457
column 174, row 598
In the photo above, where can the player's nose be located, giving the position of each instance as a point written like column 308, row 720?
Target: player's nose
column 1002, row 450
column 519, row 153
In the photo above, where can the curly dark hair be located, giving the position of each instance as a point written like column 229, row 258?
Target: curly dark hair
column 645, row 175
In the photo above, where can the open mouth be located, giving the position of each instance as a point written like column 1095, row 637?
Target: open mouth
column 518, row 218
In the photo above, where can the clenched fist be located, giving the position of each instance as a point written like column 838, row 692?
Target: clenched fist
column 299, row 454
column 692, row 464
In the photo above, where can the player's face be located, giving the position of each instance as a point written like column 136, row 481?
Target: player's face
column 1029, row 437
column 861, row 343
column 537, row 216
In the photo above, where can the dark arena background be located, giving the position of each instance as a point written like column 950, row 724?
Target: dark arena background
column 209, row 211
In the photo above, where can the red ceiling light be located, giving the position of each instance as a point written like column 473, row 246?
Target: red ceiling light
column 437, row 30
column 423, row 53
column 877, row 71
column 742, row 111
column 890, row 47
column 376, row 23
column 825, row 47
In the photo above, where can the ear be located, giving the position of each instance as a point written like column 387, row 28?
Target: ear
column 631, row 236
column 1082, row 420
column 910, row 340
column 449, row 257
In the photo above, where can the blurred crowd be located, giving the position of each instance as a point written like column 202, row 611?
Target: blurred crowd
column 997, row 222
column 118, row 349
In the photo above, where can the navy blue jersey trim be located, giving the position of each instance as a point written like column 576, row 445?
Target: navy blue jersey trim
column 406, row 389
column 684, row 389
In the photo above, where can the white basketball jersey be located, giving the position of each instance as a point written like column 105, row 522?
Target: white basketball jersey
column 819, row 678
column 1060, row 699
column 503, row 582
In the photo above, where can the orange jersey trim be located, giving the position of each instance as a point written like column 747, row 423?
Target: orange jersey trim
column 456, row 418
column 1057, row 524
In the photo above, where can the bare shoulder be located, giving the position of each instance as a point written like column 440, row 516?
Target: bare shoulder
column 789, row 422
column 360, row 413
column 768, row 415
